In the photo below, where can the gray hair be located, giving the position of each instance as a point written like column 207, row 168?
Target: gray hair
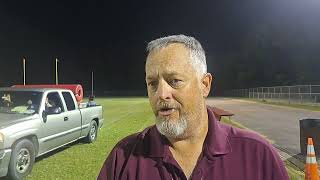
column 197, row 54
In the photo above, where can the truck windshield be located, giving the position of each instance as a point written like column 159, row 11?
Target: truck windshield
column 22, row 102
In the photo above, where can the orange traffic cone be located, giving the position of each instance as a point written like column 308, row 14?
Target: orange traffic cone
column 311, row 172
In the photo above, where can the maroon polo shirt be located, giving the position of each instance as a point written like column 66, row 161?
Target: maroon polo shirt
column 228, row 153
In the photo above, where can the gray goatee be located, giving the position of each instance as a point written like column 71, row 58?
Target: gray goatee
column 172, row 129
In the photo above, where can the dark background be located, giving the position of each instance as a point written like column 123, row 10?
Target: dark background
column 248, row 43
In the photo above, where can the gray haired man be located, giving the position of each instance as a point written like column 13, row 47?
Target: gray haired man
column 187, row 142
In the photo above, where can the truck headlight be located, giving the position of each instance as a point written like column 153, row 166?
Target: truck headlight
column 1, row 138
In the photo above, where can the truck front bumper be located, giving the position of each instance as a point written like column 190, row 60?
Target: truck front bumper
column 5, row 155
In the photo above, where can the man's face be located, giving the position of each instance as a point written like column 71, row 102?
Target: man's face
column 174, row 90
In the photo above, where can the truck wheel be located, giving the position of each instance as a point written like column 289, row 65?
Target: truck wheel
column 22, row 160
column 93, row 132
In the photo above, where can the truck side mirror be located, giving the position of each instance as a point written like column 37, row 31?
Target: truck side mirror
column 50, row 111
column 44, row 115
column 55, row 110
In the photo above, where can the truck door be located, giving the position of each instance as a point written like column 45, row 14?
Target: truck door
column 53, row 128
column 73, row 118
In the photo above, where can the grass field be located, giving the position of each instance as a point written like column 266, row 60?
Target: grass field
column 83, row 161
column 123, row 116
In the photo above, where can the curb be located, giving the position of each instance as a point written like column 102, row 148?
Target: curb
column 287, row 157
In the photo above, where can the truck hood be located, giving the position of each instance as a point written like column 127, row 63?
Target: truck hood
column 10, row 119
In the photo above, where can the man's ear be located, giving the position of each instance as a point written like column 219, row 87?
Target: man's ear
column 206, row 84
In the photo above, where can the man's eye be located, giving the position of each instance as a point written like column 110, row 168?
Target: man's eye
column 176, row 82
column 152, row 84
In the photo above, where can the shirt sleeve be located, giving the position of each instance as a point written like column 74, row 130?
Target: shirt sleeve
column 274, row 166
column 108, row 170
column 113, row 165
column 116, row 163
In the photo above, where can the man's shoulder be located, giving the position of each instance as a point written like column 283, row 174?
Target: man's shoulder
column 251, row 146
column 129, row 148
column 133, row 142
column 245, row 136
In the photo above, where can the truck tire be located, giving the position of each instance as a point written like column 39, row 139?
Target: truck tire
column 93, row 132
column 22, row 160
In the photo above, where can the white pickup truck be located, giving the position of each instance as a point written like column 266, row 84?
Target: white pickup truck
column 34, row 121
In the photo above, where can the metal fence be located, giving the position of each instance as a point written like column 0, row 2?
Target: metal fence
column 298, row 94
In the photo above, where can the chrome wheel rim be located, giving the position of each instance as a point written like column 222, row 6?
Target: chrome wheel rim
column 93, row 132
column 23, row 160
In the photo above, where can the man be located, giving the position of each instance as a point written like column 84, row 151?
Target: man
column 49, row 103
column 6, row 98
column 30, row 104
column 187, row 142
column 91, row 102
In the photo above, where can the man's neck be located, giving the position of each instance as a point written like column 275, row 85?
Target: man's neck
column 187, row 151
column 181, row 145
column 195, row 138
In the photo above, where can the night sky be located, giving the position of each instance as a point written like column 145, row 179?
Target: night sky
column 247, row 43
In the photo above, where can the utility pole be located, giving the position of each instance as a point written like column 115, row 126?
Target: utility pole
column 57, row 71
column 24, row 70
column 92, row 78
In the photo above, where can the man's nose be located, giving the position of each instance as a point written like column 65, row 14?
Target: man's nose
column 164, row 90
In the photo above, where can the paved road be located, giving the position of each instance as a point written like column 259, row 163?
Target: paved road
column 278, row 123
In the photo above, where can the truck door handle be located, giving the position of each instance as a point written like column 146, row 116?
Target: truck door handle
column 65, row 118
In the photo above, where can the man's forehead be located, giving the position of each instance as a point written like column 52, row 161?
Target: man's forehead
column 155, row 74
column 169, row 67
column 174, row 59
column 169, row 57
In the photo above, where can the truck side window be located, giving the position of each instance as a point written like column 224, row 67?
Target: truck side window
column 69, row 101
column 53, row 100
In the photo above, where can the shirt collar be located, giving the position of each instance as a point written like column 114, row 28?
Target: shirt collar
column 216, row 142
column 154, row 143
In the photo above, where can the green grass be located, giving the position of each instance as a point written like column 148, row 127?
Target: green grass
column 83, row 161
column 123, row 116
column 293, row 171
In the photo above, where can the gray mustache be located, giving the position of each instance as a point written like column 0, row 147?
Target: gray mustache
column 165, row 105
